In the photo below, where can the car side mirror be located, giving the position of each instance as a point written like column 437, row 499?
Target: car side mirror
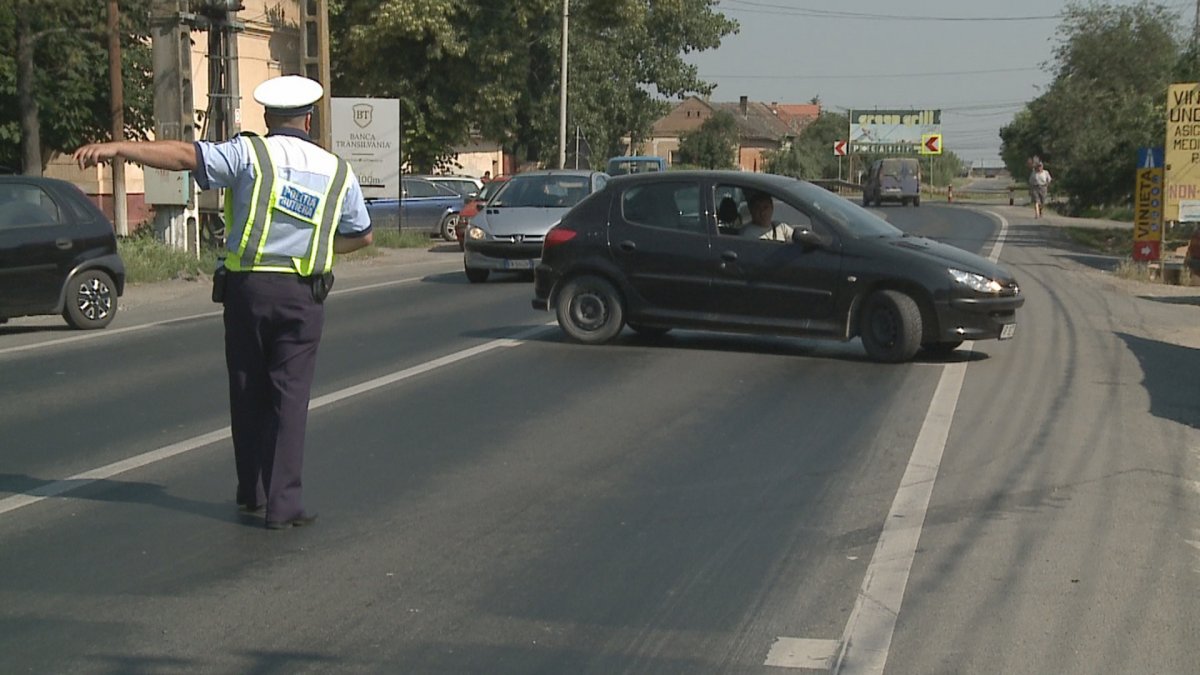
column 807, row 238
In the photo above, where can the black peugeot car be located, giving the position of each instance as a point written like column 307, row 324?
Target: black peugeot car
column 705, row 250
column 58, row 254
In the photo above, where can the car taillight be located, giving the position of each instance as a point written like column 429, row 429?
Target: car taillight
column 558, row 235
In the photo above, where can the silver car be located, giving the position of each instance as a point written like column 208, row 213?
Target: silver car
column 507, row 234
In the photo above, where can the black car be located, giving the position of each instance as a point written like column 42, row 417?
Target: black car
column 676, row 249
column 58, row 253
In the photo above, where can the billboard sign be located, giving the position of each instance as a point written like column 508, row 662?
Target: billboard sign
column 893, row 132
column 1183, row 152
column 366, row 133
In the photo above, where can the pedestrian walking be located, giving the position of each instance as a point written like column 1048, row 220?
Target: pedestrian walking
column 1039, row 187
column 290, row 206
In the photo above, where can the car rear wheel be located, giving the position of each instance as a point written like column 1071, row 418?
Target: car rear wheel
column 91, row 300
column 475, row 275
column 447, row 227
column 944, row 348
column 589, row 310
column 916, row 201
column 891, row 326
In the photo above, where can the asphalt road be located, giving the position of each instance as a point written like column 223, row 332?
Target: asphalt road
column 494, row 499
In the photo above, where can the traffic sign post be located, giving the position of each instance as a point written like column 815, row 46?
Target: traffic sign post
column 1148, row 206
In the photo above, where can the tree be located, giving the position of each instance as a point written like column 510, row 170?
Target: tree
column 713, row 145
column 811, row 155
column 492, row 67
column 1111, row 70
column 54, row 77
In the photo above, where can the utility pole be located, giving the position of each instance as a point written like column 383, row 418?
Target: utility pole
column 117, row 99
column 562, row 94
column 171, row 48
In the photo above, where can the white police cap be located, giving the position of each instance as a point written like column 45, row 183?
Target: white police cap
column 289, row 95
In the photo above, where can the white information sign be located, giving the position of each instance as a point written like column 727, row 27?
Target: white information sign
column 1189, row 210
column 366, row 133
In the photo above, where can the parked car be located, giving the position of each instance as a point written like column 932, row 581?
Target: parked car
column 467, row 186
column 58, row 254
column 648, row 251
column 895, row 179
column 507, row 235
column 473, row 206
column 423, row 207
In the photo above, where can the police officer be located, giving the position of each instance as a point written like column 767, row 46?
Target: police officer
column 289, row 206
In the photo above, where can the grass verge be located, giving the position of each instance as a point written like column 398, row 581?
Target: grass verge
column 148, row 260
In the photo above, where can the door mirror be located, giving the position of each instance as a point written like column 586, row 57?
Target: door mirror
column 807, row 237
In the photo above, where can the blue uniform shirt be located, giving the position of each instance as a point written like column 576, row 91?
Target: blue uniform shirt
column 298, row 161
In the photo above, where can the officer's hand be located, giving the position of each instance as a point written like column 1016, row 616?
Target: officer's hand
column 91, row 155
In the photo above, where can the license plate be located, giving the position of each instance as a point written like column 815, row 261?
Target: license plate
column 518, row 264
column 1007, row 331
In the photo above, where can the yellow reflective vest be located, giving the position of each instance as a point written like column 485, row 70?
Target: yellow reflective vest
column 270, row 194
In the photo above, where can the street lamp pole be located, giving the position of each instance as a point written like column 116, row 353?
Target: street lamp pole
column 562, row 94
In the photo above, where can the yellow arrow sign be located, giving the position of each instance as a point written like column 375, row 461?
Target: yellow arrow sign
column 931, row 144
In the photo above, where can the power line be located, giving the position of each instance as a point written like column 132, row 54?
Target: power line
column 871, row 76
column 785, row 10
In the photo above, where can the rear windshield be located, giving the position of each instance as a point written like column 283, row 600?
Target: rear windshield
column 900, row 167
column 542, row 191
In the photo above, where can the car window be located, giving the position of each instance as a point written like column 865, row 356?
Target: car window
column 670, row 206
column 447, row 190
column 850, row 219
column 419, row 188
column 458, row 187
column 734, row 215
column 543, row 191
column 24, row 205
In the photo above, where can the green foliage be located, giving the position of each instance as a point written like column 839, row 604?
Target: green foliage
column 1111, row 71
column 713, row 145
column 492, row 67
column 148, row 260
column 811, row 155
column 71, row 72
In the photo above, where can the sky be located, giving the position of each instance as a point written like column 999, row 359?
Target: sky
column 978, row 62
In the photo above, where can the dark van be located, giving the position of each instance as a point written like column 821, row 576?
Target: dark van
column 895, row 179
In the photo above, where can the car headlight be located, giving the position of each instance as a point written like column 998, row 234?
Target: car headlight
column 476, row 233
column 976, row 282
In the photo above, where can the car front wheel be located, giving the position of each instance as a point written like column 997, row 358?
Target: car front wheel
column 91, row 300
column 891, row 326
column 476, row 275
column 447, row 227
column 589, row 310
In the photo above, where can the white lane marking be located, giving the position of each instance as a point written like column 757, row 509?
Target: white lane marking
column 109, row 332
column 868, row 635
column 79, row 480
column 994, row 256
column 801, row 653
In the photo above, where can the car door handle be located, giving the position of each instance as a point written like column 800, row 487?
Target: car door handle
column 627, row 246
column 63, row 244
column 729, row 256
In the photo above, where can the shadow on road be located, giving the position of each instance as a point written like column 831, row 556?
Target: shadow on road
column 128, row 492
column 1170, row 375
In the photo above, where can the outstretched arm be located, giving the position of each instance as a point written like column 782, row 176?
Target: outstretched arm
column 169, row 155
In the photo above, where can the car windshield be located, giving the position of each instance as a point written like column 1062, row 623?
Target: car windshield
column 545, row 191
column 847, row 216
column 490, row 188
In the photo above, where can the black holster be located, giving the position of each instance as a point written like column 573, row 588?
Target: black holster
column 321, row 285
column 220, row 276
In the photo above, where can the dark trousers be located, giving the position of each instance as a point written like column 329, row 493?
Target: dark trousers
column 272, row 331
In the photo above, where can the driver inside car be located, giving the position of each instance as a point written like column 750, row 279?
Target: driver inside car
column 761, row 225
